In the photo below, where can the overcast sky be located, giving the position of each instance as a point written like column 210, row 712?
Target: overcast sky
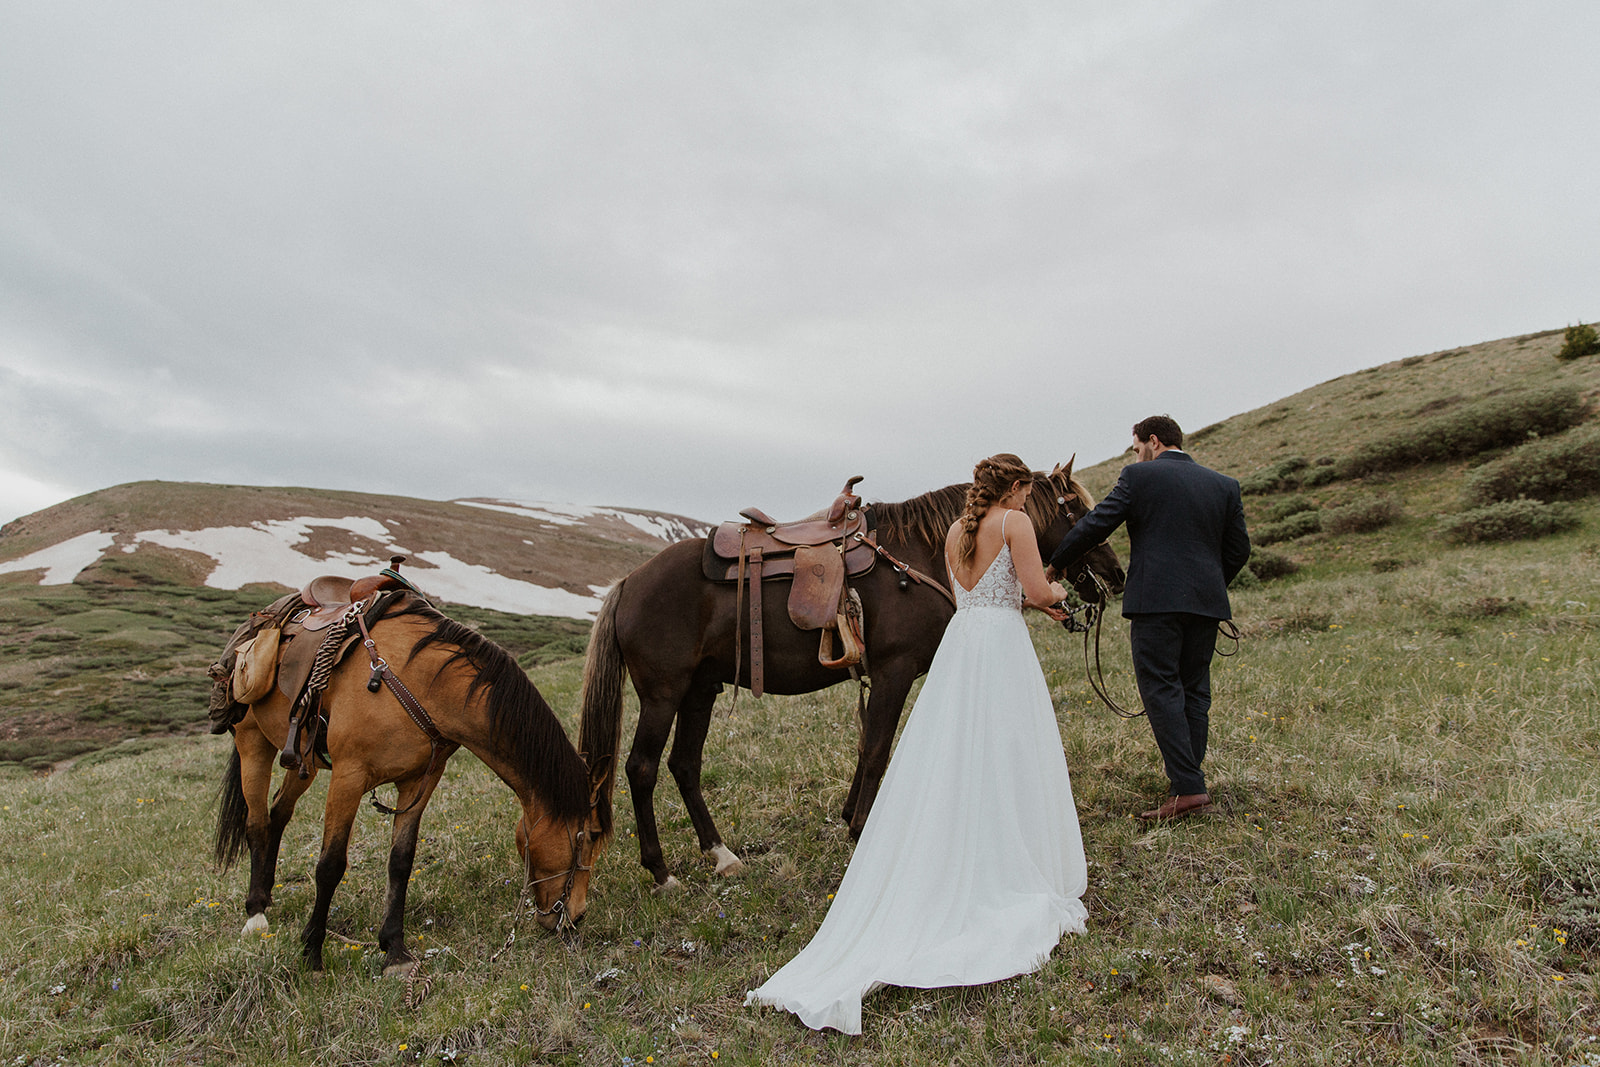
column 694, row 256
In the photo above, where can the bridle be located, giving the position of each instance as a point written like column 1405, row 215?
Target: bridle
column 560, row 908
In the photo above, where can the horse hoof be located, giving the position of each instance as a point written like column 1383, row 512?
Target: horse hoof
column 257, row 924
column 671, row 885
column 727, row 863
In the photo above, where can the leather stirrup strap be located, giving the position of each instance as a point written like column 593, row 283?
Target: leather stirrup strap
column 756, row 647
column 738, row 618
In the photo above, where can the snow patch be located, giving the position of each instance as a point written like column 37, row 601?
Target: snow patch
column 266, row 552
column 65, row 561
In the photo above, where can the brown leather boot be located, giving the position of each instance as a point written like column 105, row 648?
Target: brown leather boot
column 1179, row 806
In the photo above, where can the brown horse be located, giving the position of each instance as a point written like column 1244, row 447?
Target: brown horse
column 672, row 630
column 477, row 696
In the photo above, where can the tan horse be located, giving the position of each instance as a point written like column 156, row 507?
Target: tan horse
column 476, row 696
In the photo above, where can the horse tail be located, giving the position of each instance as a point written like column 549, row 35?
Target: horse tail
column 232, row 811
column 600, row 727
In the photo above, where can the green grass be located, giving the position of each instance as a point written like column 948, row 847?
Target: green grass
column 1393, row 754
column 1402, row 868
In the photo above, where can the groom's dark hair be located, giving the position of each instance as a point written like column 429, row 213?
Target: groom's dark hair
column 1162, row 428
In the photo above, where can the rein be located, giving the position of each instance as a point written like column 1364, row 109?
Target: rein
column 1095, row 621
column 382, row 675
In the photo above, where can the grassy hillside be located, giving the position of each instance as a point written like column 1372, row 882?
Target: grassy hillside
column 1404, row 865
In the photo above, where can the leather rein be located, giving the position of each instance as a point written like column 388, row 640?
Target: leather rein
column 1094, row 622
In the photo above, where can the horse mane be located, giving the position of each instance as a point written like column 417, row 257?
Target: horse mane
column 927, row 518
column 522, row 726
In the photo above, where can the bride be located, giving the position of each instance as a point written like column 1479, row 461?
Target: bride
column 971, row 865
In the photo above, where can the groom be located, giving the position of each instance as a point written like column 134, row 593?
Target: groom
column 1187, row 540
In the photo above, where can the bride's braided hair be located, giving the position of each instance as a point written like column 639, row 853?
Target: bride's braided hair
column 992, row 479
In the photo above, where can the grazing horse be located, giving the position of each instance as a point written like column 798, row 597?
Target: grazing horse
column 475, row 695
column 673, row 631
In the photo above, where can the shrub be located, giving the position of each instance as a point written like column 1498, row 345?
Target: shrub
column 1297, row 525
column 1269, row 565
column 1551, row 468
column 1581, row 341
column 1291, row 505
column 1361, row 517
column 1319, row 475
column 1510, row 520
column 1245, row 579
column 1273, row 477
column 1493, row 423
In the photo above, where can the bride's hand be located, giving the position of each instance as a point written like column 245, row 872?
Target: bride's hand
column 1058, row 591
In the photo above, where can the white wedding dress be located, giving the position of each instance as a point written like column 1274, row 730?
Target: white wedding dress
column 971, row 864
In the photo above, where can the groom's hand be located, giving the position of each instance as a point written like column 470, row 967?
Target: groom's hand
column 1051, row 574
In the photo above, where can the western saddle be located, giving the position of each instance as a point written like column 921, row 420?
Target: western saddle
column 277, row 645
column 817, row 554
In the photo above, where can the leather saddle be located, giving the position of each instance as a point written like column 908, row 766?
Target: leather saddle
column 817, row 554
column 296, row 624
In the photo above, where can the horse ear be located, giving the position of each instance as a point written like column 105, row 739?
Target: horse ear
column 1067, row 470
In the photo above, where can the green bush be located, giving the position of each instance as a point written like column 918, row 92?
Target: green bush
column 1468, row 430
column 1581, row 341
column 1550, row 468
column 1361, row 517
column 1269, row 565
column 1289, row 505
column 1274, row 477
column 1245, row 579
column 1321, row 474
column 1510, row 520
column 1297, row 525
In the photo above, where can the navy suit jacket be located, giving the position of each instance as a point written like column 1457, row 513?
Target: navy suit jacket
column 1186, row 534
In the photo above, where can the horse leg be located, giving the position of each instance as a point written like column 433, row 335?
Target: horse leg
column 889, row 688
column 402, row 857
column 688, row 750
column 644, row 764
column 344, row 798
column 263, row 827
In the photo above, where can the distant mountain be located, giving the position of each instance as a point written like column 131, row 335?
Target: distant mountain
column 514, row 556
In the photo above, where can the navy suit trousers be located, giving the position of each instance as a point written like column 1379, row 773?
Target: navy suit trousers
column 1172, row 661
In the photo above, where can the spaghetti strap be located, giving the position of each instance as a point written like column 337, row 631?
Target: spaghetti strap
column 1003, row 519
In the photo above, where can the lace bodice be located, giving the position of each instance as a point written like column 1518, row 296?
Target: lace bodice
column 999, row 587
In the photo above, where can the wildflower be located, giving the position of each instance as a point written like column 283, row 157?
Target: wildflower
column 404, row 1046
column 1558, row 978
column 524, row 987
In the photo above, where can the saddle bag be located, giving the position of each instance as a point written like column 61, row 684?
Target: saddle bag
column 255, row 666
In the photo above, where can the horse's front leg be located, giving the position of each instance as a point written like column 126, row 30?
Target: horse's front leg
column 264, row 826
column 411, row 798
column 688, row 752
column 889, row 688
column 345, row 786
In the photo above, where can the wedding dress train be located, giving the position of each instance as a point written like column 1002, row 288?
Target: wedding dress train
column 971, row 866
